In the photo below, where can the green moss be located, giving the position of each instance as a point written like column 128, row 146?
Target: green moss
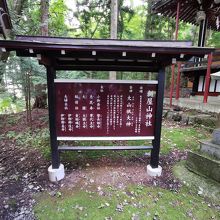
column 182, row 138
column 210, row 188
column 145, row 202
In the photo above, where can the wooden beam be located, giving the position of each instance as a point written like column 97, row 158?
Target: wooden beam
column 178, row 82
column 109, row 68
column 172, row 84
column 207, row 79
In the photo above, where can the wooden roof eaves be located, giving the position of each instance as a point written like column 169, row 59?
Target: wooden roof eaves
column 169, row 10
column 108, row 42
column 199, row 68
column 21, row 45
column 49, row 52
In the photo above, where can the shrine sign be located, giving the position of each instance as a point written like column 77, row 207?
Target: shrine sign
column 105, row 109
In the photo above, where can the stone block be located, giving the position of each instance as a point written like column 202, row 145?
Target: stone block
column 216, row 136
column 205, row 120
column 191, row 119
column 185, row 119
column 170, row 115
column 210, row 148
column 203, row 165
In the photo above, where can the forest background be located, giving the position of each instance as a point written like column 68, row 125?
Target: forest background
column 23, row 81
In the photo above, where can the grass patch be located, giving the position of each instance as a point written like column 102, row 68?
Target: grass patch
column 182, row 138
column 144, row 202
column 172, row 138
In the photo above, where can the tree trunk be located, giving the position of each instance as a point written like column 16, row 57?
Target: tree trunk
column 18, row 6
column 114, row 29
column 40, row 89
column 40, row 96
column 148, row 25
column 29, row 99
column 44, row 17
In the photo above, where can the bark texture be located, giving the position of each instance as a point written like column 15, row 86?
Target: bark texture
column 44, row 17
column 114, row 29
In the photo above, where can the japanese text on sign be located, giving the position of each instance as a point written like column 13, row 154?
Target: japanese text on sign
column 102, row 109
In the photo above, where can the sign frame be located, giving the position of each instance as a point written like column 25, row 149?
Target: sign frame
column 55, row 149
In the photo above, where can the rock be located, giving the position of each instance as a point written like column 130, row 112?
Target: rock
column 195, row 162
column 205, row 120
column 177, row 117
column 170, row 115
column 210, row 148
column 216, row 136
column 191, row 119
column 185, row 119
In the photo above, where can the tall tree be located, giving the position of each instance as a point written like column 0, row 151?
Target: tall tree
column 114, row 28
column 44, row 17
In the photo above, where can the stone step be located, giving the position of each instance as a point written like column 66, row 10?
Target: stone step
column 203, row 165
column 210, row 148
column 216, row 136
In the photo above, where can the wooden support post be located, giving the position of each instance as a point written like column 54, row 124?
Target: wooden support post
column 202, row 32
column 178, row 82
column 154, row 160
column 207, row 79
column 52, row 116
column 172, row 84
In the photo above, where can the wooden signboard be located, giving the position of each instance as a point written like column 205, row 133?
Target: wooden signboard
column 105, row 110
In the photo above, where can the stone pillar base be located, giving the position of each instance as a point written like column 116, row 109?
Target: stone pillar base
column 154, row 171
column 56, row 174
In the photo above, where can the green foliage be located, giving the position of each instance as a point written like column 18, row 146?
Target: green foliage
column 39, row 139
column 90, row 19
column 10, row 104
column 214, row 40
column 57, row 15
column 94, row 19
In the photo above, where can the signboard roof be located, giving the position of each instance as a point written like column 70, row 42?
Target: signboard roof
column 99, row 54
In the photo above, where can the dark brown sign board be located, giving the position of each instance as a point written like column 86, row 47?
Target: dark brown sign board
column 105, row 110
